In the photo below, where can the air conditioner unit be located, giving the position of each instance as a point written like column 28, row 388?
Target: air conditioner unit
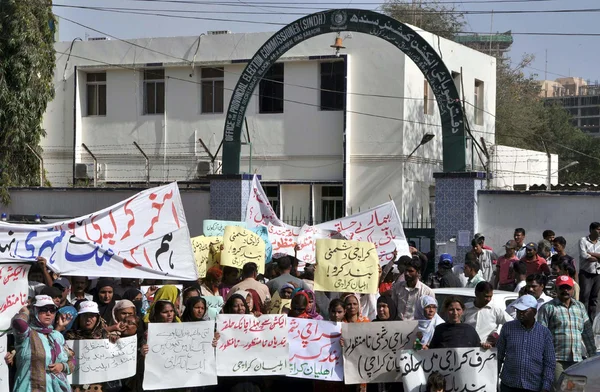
column 98, row 39
column 85, row 171
column 205, row 168
column 218, row 32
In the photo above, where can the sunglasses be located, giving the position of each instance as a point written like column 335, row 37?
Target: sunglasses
column 47, row 309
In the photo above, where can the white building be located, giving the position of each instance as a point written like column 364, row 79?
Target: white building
column 167, row 93
column 518, row 169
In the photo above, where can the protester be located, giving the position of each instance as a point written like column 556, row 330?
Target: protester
column 79, row 287
column 484, row 316
column 504, row 268
column 254, row 303
column 535, row 263
column 189, row 292
column 589, row 269
column 407, row 294
column 163, row 311
column 535, row 286
column 167, row 293
column 571, row 328
column 284, row 265
column 136, row 297
column 312, row 306
column 472, row 272
column 53, row 293
column 486, row 258
column 479, row 236
column 210, row 284
column 249, row 275
column 431, row 320
column 236, row 304
column 64, row 286
column 560, row 245
column 352, row 306
column 453, row 333
column 567, row 269
column 122, row 310
column 337, row 310
column 525, row 367
column 104, row 297
column 298, row 306
column 195, row 310
column 520, row 272
column 519, row 237
column 42, row 356
column 444, row 275
column 386, row 309
column 286, row 290
column 230, row 279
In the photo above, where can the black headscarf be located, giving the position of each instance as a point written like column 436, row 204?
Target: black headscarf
column 391, row 306
column 228, row 307
column 105, row 309
column 188, row 314
column 130, row 295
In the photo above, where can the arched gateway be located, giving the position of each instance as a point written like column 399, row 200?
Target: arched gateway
column 360, row 21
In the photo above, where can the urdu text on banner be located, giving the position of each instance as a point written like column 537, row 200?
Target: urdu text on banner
column 14, row 291
column 144, row 236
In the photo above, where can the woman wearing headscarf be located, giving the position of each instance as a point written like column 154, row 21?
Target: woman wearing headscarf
column 137, row 297
column 299, row 305
column 105, row 299
column 386, row 309
column 123, row 309
column 43, row 359
column 210, row 284
column 168, row 293
column 312, row 306
column 236, row 304
column 353, row 315
column 256, row 305
column 432, row 319
column 195, row 310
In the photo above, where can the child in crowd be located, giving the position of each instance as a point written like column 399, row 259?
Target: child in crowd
column 337, row 310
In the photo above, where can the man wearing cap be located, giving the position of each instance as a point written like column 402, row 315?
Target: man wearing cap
column 483, row 245
column 589, row 269
column 567, row 320
column 446, row 276
column 526, row 359
column 486, row 258
column 504, row 268
column 64, row 286
column 535, row 263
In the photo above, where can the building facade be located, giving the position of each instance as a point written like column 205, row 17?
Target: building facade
column 329, row 134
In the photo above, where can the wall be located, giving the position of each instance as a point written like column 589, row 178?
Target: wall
column 514, row 166
column 568, row 214
column 71, row 203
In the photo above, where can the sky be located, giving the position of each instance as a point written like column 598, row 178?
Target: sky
column 567, row 55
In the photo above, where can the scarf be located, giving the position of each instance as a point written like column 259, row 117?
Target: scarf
column 130, row 295
column 258, row 305
column 228, row 307
column 427, row 327
column 105, row 309
column 166, row 293
column 360, row 317
column 98, row 332
column 188, row 314
column 312, row 310
column 122, row 304
column 293, row 312
column 391, row 306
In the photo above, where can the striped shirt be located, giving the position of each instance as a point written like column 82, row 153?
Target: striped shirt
column 569, row 326
column 527, row 355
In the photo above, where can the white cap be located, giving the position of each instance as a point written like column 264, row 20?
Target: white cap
column 43, row 300
column 88, row 307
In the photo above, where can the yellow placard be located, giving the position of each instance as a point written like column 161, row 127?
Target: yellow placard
column 277, row 304
column 241, row 246
column 207, row 252
column 346, row 266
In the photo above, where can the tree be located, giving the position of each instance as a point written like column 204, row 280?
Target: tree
column 26, row 73
column 433, row 16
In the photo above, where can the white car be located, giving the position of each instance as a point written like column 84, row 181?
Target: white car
column 583, row 376
column 501, row 298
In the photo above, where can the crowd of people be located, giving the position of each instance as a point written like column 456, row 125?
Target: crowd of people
column 545, row 331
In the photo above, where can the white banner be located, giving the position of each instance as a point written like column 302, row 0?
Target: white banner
column 3, row 366
column 372, row 350
column 145, row 236
column 315, row 350
column 252, row 346
column 380, row 225
column 99, row 361
column 465, row 369
column 14, row 290
column 180, row 355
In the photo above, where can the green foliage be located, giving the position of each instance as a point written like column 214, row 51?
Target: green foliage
column 26, row 73
column 432, row 16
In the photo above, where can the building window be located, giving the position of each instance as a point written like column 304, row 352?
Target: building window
column 96, row 94
column 272, row 192
column 332, row 203
column 212, row 90
column 271, row 90
column 428, row 99
column 478, row 102
column 333, row 85
column 456, row 78
column 154, row 91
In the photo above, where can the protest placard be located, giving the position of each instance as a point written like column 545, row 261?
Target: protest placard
column 14, row 288
column 99, row 361
column 216, row 228
column 3, row 367
column 346, row 266
column 252, row 346
column 372, row 350
column 241, row 246
column 184, row 351
column 277, row 304
column 465, row 369
column 145, row 236
column 204, row 253
column 283, row 239
column 315, row 350
column 262, row 232
column 214, row 304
